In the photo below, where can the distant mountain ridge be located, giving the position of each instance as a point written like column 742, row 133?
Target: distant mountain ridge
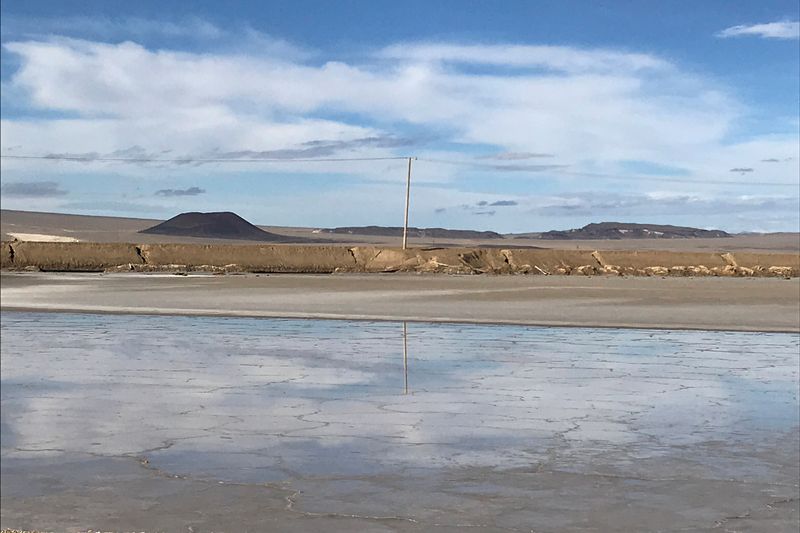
column 228, row 225
column 396, row 231
column 627, row 230
column 221, row 225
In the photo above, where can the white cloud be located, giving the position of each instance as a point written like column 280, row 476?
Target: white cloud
column 558, row 58
column 770, row 30
column 588, row 108
column 34, row 189
column 597, row 104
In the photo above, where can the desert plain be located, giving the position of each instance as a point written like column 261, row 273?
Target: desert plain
column 85, row 228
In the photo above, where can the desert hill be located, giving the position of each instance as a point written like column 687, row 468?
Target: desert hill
column 396, row 231
column 31, row 225
column 223, row 225
column 625, row 230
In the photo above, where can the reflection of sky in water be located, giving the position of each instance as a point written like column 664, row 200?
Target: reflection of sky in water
column 257, row 399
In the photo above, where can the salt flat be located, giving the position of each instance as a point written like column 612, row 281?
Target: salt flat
column 175, row 402
column 176, row 423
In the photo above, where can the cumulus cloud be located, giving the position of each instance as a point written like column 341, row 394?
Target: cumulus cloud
column 596, row 103
column 309, row 149
column 33, row 189
column 594, row 108
column 478, row 208
column 191, row 191
column 770, row 30
column 321, row 148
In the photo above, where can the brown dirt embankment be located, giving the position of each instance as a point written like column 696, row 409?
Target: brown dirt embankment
column 69, row 256
column 249, row 258
column 96, row 257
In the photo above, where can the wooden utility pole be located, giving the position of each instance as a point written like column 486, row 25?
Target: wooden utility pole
column 408, row 198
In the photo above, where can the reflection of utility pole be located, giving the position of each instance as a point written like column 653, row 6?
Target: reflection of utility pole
column 405, row 356
column 408, row 198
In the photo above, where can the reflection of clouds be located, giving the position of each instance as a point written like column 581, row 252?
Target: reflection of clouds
column 256, row 399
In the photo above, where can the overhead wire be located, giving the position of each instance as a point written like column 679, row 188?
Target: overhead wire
column 553, row 169
column 561, row 170
column 188, row 160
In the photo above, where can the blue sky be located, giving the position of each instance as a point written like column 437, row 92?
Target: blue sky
column 525, row 116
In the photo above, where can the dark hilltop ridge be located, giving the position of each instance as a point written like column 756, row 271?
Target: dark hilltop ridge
column 624, row 230
column 595, row 231
column 223, row 225
column 396, row 231
column 228, row 225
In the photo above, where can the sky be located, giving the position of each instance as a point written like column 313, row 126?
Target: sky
column 521, row 116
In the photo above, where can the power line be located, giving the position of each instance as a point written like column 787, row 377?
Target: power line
column 678, row 180
column 560, row 170
column 494, row 166
column 499, row 167
column 189, row 160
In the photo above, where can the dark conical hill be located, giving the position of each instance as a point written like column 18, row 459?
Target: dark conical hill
column 223, row 225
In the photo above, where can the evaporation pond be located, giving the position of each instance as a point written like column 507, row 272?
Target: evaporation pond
column 252, row 401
